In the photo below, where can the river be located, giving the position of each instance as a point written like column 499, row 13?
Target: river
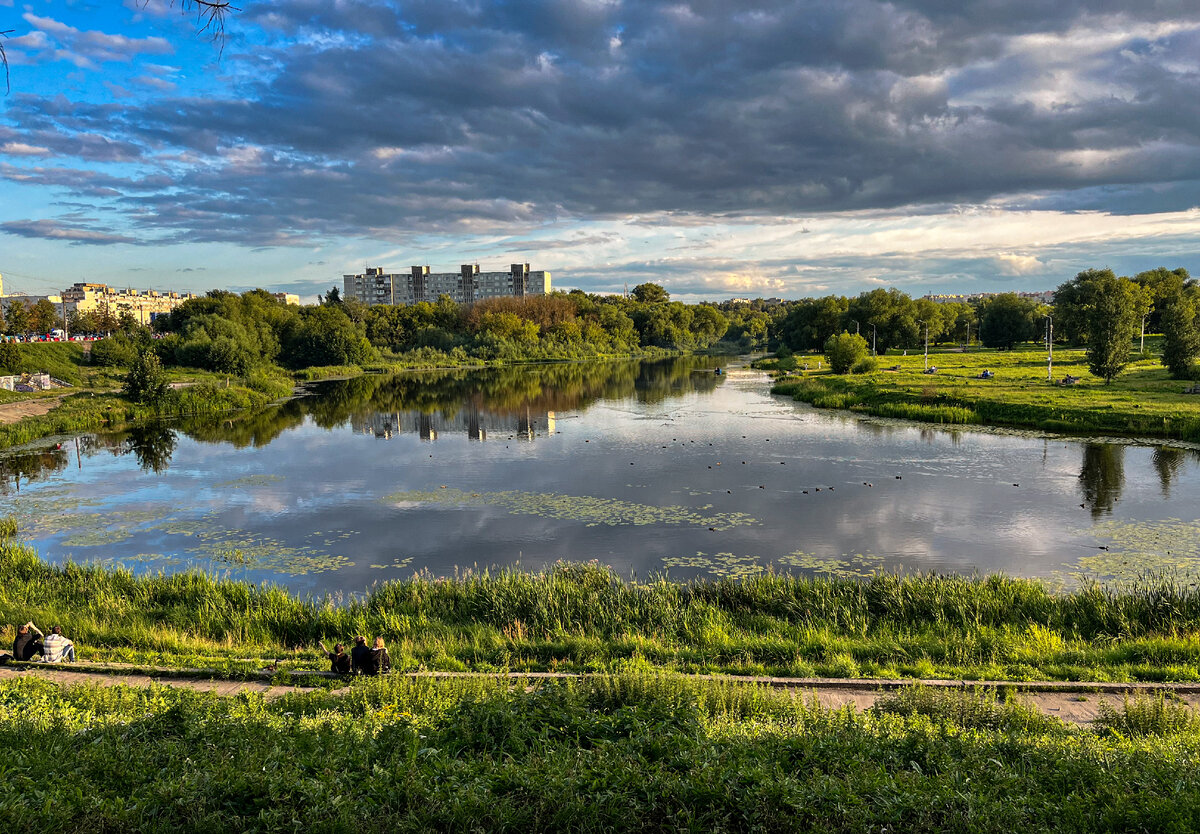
column 653, row 467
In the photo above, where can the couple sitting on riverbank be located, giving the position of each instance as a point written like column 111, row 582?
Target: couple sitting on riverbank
column 53, row 647
column 362, row 660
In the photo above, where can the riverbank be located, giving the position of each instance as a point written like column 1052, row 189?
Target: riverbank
column 583, row 618
column 1142, row 402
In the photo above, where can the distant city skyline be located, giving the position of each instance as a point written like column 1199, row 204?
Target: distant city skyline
column 722, row 149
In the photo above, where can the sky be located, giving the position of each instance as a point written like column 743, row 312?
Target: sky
column 721, row 148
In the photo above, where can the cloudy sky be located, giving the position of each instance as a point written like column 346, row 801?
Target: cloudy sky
column 719, row 147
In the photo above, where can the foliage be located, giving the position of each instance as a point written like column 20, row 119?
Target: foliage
column 1113, row 319
column 118, row 351
column 10, row 357
column 650, row 294
column 866, row 365
column 147, row 382
column 1181, row 333
column 1006, row 319
column 844, row 351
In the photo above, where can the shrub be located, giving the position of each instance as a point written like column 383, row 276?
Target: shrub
column 866, row 365
column 114, row 352
column 10, row 357
column 146, row 383
column 844, row 350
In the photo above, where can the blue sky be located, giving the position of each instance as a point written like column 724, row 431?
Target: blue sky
column 718, row 147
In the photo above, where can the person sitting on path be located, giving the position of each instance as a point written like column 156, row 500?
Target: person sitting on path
column 56, row 648
column 379, row 662
column 339, row 661
column 25, row 646
column 360, row 656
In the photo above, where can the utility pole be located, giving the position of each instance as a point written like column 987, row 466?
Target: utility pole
column 1050, row 348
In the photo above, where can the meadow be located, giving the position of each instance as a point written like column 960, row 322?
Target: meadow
column 1142, row 401
column 584, row 618
column 632, row 752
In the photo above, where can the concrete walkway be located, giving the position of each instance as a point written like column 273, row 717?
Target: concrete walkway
column 1077, row 702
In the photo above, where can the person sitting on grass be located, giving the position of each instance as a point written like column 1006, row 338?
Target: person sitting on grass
column 56, row 648
column 379, row 662
column 25, row 646
column 339, row 661
column 360, row 656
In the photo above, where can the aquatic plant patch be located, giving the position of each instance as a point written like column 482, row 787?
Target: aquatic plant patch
column 582, row 508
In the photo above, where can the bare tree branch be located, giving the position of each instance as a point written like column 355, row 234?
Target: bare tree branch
column 4, row 60
column 210, row 17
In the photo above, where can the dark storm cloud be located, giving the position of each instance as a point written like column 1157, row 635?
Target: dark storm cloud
column 390, row 120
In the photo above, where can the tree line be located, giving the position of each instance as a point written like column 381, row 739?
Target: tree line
column 1096, row 310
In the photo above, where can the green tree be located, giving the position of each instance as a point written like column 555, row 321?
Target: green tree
column 844, row 350
column 17, row 317
column 1006, row 319
column 650, row 294
column 10, row 357
column 1181, row 334
column 43, row 317
column 809, row 323
column 894, row 315
column 1112, row 323
column 146, row 382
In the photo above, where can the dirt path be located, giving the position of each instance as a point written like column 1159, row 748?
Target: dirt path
column 17, row 411
column 1075, row 703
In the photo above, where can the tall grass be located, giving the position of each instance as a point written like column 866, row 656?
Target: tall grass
column 585, row 618
column 619, row 753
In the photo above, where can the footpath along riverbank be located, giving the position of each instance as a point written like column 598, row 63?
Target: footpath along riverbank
column 1075, row 702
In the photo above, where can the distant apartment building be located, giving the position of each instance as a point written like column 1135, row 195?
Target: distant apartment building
column 1043, row 297
column 466, row 286
column 286, row 297
column 143, row 305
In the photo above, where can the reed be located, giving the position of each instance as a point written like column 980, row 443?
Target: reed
column 575, row 617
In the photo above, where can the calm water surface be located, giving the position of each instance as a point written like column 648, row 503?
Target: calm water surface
column 648, row 467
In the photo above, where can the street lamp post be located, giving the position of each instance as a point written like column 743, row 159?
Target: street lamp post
column 968, row 344
column 1050, row 348
column 926, row 324
column 873, row 351
column 1143, row 348
column 855, row 326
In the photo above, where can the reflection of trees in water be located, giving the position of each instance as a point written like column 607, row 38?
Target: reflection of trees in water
column 152, row 445
column 18, row 469
column 253, row 428
column 513, row 390
column 1102, row 476
column 1168, row 462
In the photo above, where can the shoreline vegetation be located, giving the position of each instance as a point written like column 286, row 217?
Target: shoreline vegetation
column 584, row 618
column 635, row 746
column 1143, row 402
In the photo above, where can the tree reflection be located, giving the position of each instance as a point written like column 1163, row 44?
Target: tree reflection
column 30, row 467
column 1102, row 476
column 152, row 445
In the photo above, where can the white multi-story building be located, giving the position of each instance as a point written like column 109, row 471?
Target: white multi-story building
column 465, row 286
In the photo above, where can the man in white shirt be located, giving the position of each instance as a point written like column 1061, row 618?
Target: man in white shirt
column 56, row 648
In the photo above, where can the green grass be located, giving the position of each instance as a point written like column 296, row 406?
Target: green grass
column 1143, row 401
column 620, row 753
column 584, row 618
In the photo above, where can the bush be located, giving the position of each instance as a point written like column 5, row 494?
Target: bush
column 146, row 383
column 114, row 352
column 844, row 350
column 866, row 365
column 10, row 357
